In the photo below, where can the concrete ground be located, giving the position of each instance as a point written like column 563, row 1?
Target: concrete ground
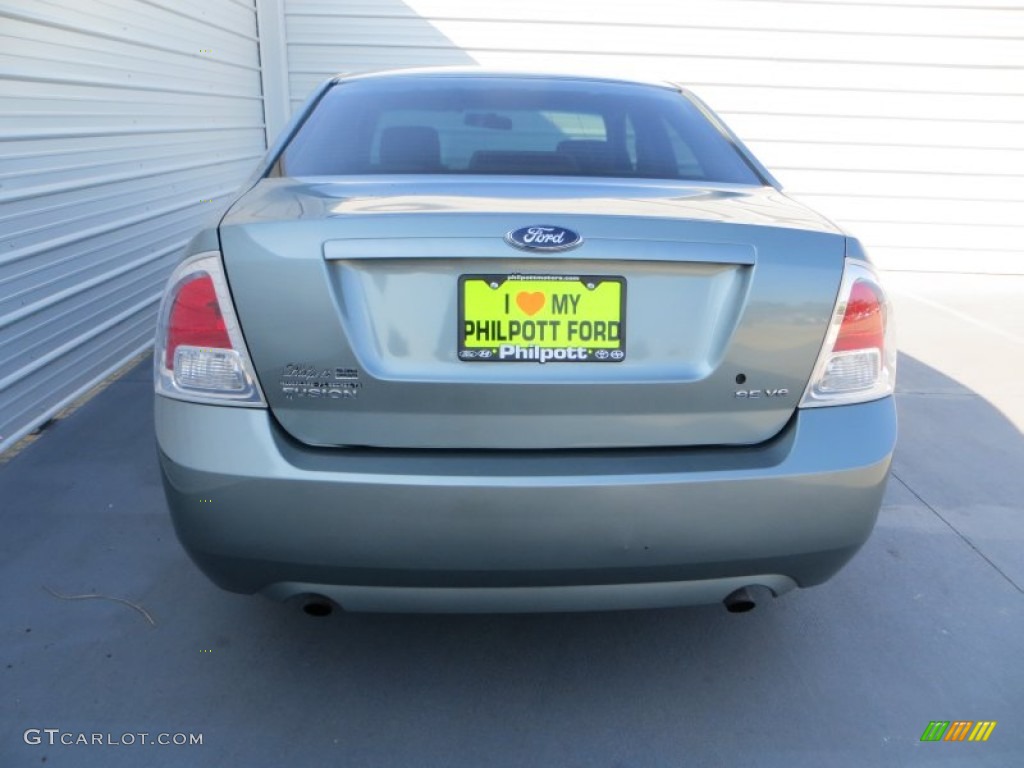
column 926, row 623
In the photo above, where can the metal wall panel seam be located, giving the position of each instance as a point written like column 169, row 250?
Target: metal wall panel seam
column 21, row 254
column 41, row 417
column 808, row 60
column 76, row 343
column 95, row 93
column 96, row 132
column 45, row 333
column 51, row 189
column 205, row 22
column 94, row 82
column 197, row 186
column 43, row 20
column 59, row 212
column 582, row 23
column 247, row 6
column 56, row 298
column 274, row 78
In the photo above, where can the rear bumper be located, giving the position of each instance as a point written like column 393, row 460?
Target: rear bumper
column 521, row 531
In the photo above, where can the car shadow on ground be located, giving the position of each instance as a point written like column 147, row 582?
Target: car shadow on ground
column 923, row 624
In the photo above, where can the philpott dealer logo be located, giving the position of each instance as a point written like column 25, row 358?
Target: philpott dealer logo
column 55, row 736
column 958, row 730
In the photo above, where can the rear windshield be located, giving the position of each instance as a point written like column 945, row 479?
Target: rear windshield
column 551, row 127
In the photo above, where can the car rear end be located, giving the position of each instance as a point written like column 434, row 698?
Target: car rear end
column 497, row 343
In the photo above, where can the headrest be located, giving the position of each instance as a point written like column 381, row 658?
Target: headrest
column 595, row 157
column 521, row 162
column 410, row 148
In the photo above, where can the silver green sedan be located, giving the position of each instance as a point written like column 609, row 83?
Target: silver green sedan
column 481, row 341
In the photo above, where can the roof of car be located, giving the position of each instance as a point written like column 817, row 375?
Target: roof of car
column 477, row 71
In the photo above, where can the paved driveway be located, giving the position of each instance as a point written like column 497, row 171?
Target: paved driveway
column 927, row 623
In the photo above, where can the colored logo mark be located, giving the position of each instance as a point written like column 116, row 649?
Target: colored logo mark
column 958, row 730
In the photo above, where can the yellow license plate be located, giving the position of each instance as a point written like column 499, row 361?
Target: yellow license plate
column 542, row 318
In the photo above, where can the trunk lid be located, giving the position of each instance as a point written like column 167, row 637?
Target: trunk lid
column 348, row 293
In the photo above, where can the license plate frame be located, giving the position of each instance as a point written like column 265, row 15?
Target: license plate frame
column 541, row 318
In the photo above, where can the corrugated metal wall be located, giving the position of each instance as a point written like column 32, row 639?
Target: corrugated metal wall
column 123, row 125
column 903, row 120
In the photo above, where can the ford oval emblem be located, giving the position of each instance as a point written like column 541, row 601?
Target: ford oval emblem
column 543, row 238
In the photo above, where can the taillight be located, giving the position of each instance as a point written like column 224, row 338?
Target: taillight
column 200, row 353
column 857, row 362
column 195, row 318
column 863, row 325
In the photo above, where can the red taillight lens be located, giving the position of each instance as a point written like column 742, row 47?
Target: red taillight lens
column 195, row 319
column 857, row 362
column 200, row 354
column 864, row 322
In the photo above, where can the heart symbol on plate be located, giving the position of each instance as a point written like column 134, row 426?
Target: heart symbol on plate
column 530, row 303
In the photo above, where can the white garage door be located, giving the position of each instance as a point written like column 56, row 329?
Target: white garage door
column 903, row 120
column 123, row 126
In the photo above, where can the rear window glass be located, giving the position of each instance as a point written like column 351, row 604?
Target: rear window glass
column 507, row 126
